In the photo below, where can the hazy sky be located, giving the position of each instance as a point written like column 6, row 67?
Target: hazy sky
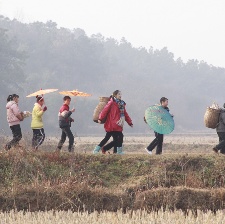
column 188, row 28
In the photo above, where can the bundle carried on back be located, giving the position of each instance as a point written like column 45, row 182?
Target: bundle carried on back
column 211, row 117
column 102, row 102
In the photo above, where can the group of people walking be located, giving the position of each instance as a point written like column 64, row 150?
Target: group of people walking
column 114, row 116
column 15, row 116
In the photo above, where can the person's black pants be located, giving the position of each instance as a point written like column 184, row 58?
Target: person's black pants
column 106, row 139
column 66, row 132
column 157, row 142
column 38, row 137
column 109, row 145
column 17, row 135
column 117, row 141
column 221, row 145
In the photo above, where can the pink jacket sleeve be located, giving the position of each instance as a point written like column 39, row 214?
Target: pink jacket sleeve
column 127, row 118
column 15, row 109
column 105, row 111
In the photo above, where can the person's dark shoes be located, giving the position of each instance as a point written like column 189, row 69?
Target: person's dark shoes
column 215, row 150
column 103, row 151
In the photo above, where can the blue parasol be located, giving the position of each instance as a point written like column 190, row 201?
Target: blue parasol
column 159, row 119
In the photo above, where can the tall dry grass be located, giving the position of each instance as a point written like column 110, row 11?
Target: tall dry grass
column 142, row 217
column 40, row 181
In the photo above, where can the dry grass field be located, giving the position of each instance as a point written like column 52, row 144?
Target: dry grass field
column 140, row 217
column 187, row 181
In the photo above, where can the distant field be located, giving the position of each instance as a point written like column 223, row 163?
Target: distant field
column 172, row 143
column 172, row 139
column 185, row 143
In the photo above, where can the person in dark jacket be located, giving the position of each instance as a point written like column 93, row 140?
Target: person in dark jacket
column 158, row 141
column 221, row 133
column 65, row 124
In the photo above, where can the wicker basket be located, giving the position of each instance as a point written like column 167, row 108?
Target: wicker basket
column 102, row 102
column 211, row 117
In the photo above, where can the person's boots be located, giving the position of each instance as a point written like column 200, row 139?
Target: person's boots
column 96, row 149
column 120, row 150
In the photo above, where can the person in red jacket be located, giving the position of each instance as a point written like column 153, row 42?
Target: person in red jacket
column 115, row 114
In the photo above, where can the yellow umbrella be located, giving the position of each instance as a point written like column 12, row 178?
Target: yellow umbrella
column 42, row 92
column 75, row 93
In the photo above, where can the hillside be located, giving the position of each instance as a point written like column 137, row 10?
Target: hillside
column 43, row 55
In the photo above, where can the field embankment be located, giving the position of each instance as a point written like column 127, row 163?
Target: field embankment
column 62, row 181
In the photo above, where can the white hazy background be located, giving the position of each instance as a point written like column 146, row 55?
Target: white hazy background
column 191, row 29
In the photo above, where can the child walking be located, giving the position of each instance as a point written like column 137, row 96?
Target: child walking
column 37, row 123
column 65, row 124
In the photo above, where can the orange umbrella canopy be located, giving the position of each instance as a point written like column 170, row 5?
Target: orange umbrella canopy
column 75, row 93
column 42, row 92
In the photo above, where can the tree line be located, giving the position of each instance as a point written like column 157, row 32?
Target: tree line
column 42, row 55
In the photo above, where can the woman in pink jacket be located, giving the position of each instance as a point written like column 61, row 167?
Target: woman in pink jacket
column 115, row 114
column 14, row 116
